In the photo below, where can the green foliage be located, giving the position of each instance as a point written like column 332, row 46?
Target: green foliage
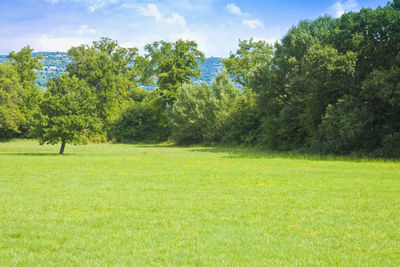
column 142, row 120
column 199, row 113
column 105, row 68
column 325, row 76
column 333, row 85
column 11, row 116
column 242, row 127
column 367, row 118
column 26, row 65
column 373, row 34
column 395, row 4
column 290, row 92
column 68, row 113
column 170, row 65
column 368, row 125
column 191, row 115
column 19, row 95
column 390, row 145
column 225, row 100
column 248, row 55
column 346, row 127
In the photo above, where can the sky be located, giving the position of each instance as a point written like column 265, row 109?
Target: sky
column 216, row 25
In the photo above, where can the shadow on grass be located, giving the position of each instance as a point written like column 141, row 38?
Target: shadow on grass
column 6, row 140
column 153, row 146
column 38, row 154
column 257, row 153
column 145, row 145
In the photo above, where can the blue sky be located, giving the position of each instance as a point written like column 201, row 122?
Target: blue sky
column 216, row 25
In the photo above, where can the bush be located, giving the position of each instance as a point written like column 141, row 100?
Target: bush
column 346, row 127
column 390, row 146
column 191, row 116
column 200, row 113
column 142, row 121
column 243, row 126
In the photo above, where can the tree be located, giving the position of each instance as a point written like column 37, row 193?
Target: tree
column 142, row 120
column 249, row 55
column 325, row 76
column 225, row 100
column 346, row 127
column 26, row 65
column 301, row 73
column 333, row 85
column 11, row 116
column 373, row 34
column 68, row 113
column 107, row 69
column 191, row 116
column 366, row 118
column 19, row 94
column 199, row 113
column 170, row 65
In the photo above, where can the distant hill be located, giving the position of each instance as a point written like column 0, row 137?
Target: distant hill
column 54, row 64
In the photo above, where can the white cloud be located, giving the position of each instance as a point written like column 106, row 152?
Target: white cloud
column 192, row 5
column 92, row 5
column 270, row 41
column 171, row 21
column 151, row 10
column 200, row 37
column 339, row 8
column 57, row 43
column 176, row 19
column 84, row 29
column 97, row 4
column 253, row 23
column 234, row 9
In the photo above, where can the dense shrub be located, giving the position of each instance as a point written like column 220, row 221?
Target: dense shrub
column 19, row 94
column 141, row 121
column 191, row 115
column 243, row 127
column 200, row 113
column 345, row 128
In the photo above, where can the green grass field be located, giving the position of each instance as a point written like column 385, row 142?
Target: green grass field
column 113, row 204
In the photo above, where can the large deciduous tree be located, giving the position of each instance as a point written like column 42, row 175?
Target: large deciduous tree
column 333, row 85
column 19, row 94
column 304, row 76
column 68, row 113
column 11, row 115
column 200, row 112
column 170, row 65
column 108, row 70
column 248, row 55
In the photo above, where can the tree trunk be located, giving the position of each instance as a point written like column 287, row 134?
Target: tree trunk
column 62, row 148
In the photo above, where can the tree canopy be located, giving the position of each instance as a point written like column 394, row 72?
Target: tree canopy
column 19, row 94
column 331, row 84
column 170, row 65
column 248, row 55
column 105, row 67
column 68, row 113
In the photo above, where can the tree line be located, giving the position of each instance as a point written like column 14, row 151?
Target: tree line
column 329, row 86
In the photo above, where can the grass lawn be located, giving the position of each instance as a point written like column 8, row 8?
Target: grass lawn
column 113, row 204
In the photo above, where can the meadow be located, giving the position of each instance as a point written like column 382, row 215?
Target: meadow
column 119, row 204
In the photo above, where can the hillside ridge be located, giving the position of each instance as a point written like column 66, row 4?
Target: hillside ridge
column 54, row 65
